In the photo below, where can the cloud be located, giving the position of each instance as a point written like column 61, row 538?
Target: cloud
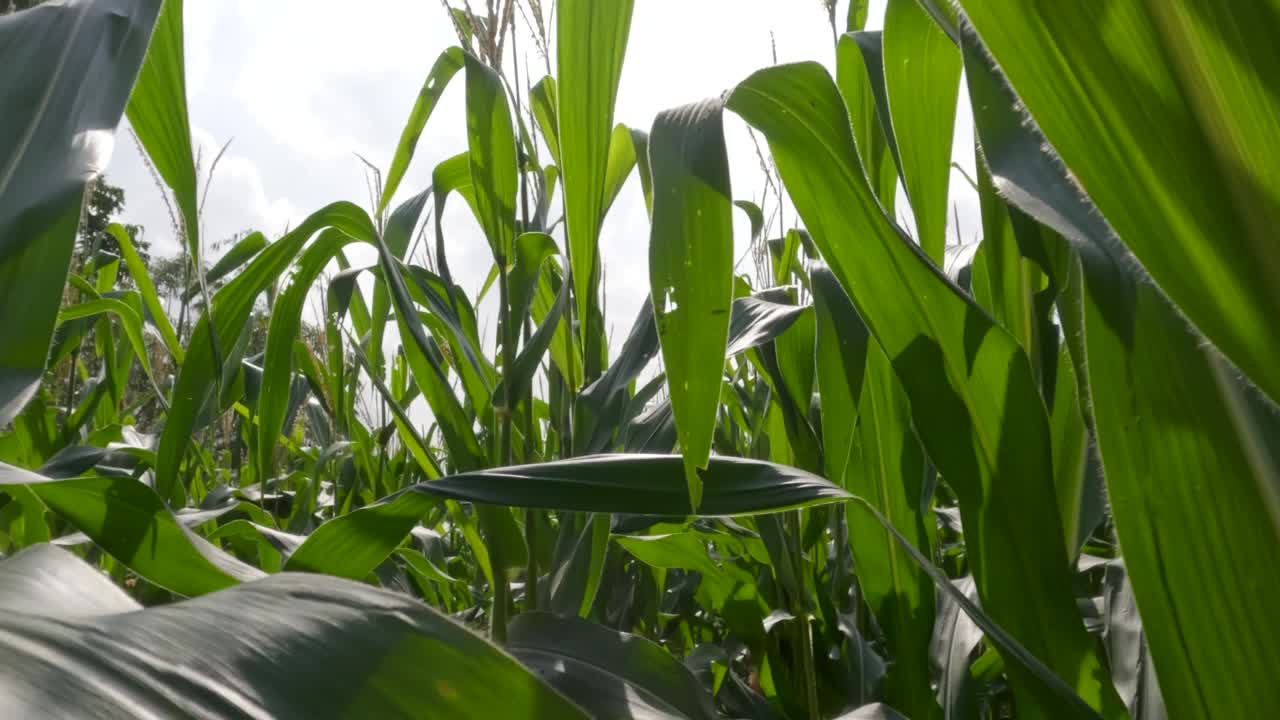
column 237, row 199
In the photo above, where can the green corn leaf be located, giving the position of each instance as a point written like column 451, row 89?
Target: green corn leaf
column 922, row 80
column 975, row 404
column 624, row 152
column 428, row 372
column 1189, row 473
column 445, row 67
column 452, row 321
column 158, row 115
column 142, row 278
column 531, row 250
column 872, row 451
column 1069, row 703
column 757, row 320
column 130, row 321
column 860, row 73
column 397, row 232
column 1094, row 78
column 518, row 379
column 48, row 149
column 591, row 42
column 492, row 143
column 609, row 673
column 128, row 520
column 194, row 389
column 342, row 650
column 546, row 103
column 354, row 544
column 691, row 270
column 1011, row 280
column 286, row 323
column 575, row 569
column 235, row 258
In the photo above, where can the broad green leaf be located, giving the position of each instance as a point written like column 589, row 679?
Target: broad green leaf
column 492, row 143
column 609, row 673
column 975, row 404
column 158, row 115
column 445, row 67
column 56, row 132
column 414, row 443
column 354, row 544
column 643, row 484
column 128, row 521
column 1190, row 477
column 341, row 650
column 691, row 270
column 1167, row 115
column 591, row 42
column 872, row 451
column 922, row 80
column 46, row 580
column 194, row 389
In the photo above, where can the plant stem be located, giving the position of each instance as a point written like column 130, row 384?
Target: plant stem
column 498, row 618
column 801, row 610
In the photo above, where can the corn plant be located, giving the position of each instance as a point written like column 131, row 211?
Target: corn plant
column 886, row 477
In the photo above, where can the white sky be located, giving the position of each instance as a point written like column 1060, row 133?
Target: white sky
column 302, row 85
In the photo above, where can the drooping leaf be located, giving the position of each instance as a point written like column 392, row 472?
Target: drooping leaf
column 56, row 132
column 445, row 67
column 341, row 650
column 353, row 545
column 691, row 270
column 128, row 520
